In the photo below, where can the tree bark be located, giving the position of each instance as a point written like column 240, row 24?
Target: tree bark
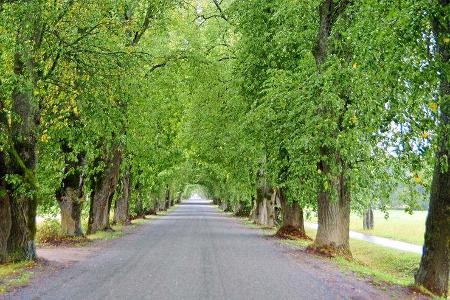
column 70, row 195
column 292, row 215
column 368, row 223
column 103, row 193
column 22, row 149
column 254, row 211
column 265, row 206
column 334, row 220
column 334, row 216
column 167, row 199
column 70, row 204
column 5, row 224
column 121, row 209
column 433, row 272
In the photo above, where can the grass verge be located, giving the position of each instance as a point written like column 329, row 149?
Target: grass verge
column 379, row 264
column 14, row 275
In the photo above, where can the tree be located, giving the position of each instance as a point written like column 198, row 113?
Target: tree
column 434, row 265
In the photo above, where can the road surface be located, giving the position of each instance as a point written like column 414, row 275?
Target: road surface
column 196, row 252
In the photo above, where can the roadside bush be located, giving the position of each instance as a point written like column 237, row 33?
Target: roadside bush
column 48, row 231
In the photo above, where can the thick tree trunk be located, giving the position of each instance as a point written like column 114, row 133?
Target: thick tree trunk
column 103, row 193
column 265, row 206
column 70, row 205
column 5, row 224
column 70, row 195
column 368, row 223
column 167, row 199
column 334, row 215
column 334, row 220
column 5, row 205
column 292, row 218
column 433, row 272
column 254, row 212
column 20, row 244
column 121, row 209
column 23, row 229
column 434, row 265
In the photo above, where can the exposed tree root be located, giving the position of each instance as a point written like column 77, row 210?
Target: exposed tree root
column 65, row 241
column 292, row 233
column 329, row 251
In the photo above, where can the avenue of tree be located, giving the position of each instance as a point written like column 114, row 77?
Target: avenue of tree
column 113, row 109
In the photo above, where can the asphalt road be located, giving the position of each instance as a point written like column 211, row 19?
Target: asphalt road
column 195, row 252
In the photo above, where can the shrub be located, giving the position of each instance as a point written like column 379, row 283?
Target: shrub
column 48, row 231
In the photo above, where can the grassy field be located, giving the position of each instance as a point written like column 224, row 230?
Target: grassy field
column 399, row 225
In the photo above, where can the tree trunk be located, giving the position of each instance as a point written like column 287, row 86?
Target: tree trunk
column 103, row 193
column 121, row 209
column 167, row 199
column 140, row 211
column 265, row 206
column 433, row 272
column 5, row 224
column 368, row 222
column 22, row 148
column 334, row 220
column 23, row 229
column 70, row 195
column 255, row 211
column 70, row 205
column 292, row 215
column 334, row 216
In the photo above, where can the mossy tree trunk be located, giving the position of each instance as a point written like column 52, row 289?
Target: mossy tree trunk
column 21, row 161
column 5, row 222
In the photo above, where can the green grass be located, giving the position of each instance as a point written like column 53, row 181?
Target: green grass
column 379, row 263
column 14, row 275
column 107, row 235
column 399, row 226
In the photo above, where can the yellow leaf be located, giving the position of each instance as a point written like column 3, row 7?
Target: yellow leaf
column 425, row 134
column 354, row 66
column 44, row 138
column 446, row 40
column 418, row 179
column 433, row 106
